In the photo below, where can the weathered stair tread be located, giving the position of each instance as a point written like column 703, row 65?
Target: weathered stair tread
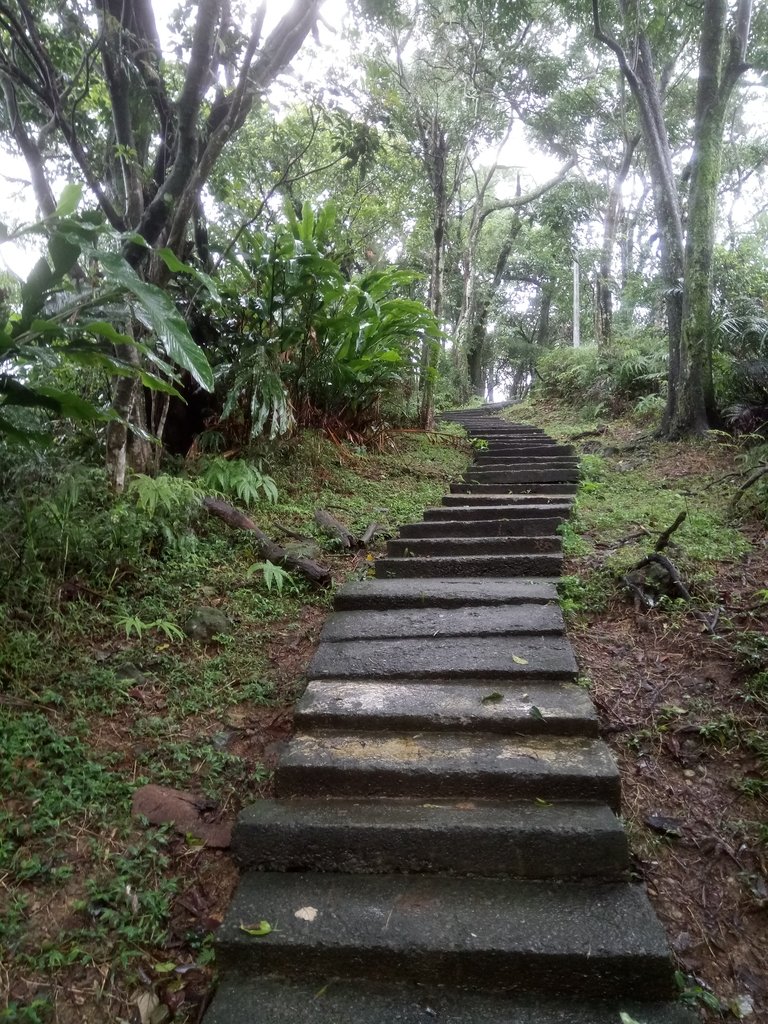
column 557, row 709
column 441, row 593
column 477, row 498
column 303, row 1002
column 477, row 620
column 409, row 547
column 521, row 657
column 513, row 526
column 515, row 839
column 447, row 765
column 500, row 508
column 546, row 564
column 566, row 938
column 561, row 488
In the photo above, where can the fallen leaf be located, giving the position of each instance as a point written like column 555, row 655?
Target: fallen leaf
column 259, row 930
column 146, row 1003
column 164, row 968
column 492, row 698
column 306, row 913
column 543, row 803
column 535, row 713
column 518, row 660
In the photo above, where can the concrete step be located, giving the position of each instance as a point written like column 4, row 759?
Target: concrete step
column 478, row 620
column 516, row 506
column 547, row 449
column 492, row 459
column 440, row 593
column 302, row 1002
column 560, row 488
column 451, row 765
column 411, row 706
column 526, row 475
column 470, row 565
column 516, row 839
column 447, row 659
column 579, row 938
column 415, row 547
column 488, row 527
column 510, row 499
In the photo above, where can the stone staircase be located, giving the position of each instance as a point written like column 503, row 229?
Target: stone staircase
column 444, row 843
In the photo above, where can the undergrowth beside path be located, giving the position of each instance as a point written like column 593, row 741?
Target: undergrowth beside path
column 103, row 916
column 681, row 688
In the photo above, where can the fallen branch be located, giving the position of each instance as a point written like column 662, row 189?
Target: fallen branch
column 370, row 533
column 271, row 551
column 664, row 537
column 675, row 578
column 329, row 524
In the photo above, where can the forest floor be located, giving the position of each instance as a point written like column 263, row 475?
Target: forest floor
column 105, row 917
column 681, row 689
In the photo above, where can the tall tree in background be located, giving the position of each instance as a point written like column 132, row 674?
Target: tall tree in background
column 686, row 248
column 88, row 91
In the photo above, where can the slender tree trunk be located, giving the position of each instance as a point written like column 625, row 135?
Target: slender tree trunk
column 603, row 290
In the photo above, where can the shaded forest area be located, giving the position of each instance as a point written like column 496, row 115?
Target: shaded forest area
column 266, row 248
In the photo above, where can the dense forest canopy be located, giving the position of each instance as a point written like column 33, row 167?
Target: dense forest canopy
column 231, row 244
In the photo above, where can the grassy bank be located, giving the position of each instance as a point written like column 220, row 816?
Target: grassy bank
column 103, row 916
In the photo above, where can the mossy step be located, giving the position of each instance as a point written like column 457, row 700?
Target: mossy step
column 560, row 487
column 446, row 658
column 520, row 526
column 591, row 940
column 470, row 565
column 281, row 1001
column 477, row 621
column 440, row 593
column 364, row 705
column 413, row 547
column 451, row 765
column 514, row 839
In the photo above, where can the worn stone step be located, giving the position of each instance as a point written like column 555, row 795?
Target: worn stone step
column 561, row 488
column 499, row 508
column 441, row 593
column 492, row 460
column 446, row 658
column 527, row 475
column 548, row 449
column 478, row 620
column 470, row 565
column 520, row 526
column 510, row 499
column 577, row 938
column 412, row 547
column 301, row 1002
column 441, row 764
column 516, row 839
column 366, row 705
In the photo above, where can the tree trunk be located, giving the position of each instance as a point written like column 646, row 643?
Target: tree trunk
column 603, row 291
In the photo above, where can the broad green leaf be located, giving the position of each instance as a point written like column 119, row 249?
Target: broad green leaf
column 536, row 713
column 493, row 698
column 164, row 968
column 69, row 199
column 176, row 266
column 260, row 929
column 163, row 317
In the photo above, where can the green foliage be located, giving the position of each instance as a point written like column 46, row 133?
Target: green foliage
column 88, row 328
column 273, row 575
column 612, row 378
column 238, row 478
column 313, row 345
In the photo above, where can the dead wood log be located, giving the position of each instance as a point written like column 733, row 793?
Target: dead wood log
column 329, row 524
column 271, row 551
column 370, row 533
